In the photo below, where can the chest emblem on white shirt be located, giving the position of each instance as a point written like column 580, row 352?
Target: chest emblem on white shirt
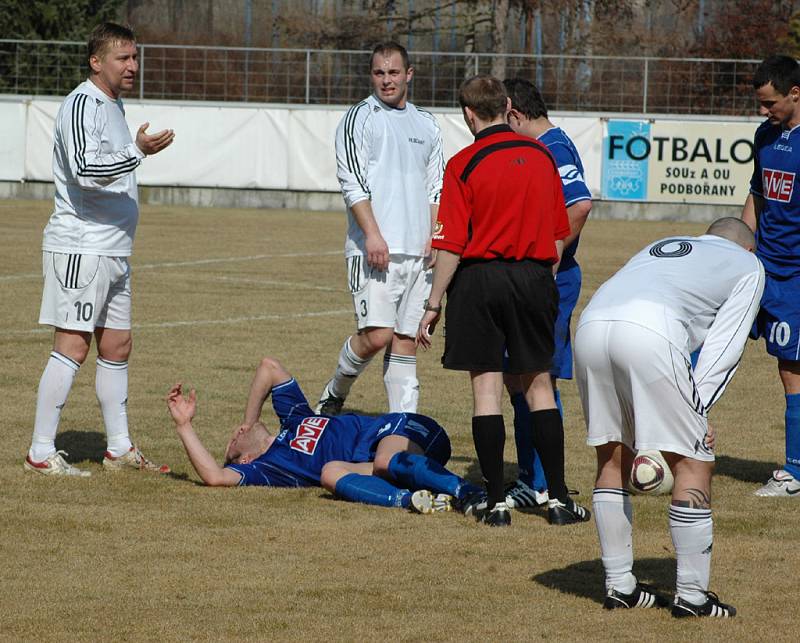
column 414, row 139
column 778, row 185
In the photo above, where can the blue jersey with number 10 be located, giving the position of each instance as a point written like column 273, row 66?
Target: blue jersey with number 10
column 775, row 177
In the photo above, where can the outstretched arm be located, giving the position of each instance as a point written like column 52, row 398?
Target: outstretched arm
column 182, row 409
column 270, row 372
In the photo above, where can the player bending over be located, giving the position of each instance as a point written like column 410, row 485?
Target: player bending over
column 375, row 460
column 639, row 391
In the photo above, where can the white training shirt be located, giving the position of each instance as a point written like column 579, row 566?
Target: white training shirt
column 693, row 291
column 393, row 157
column 94, row 158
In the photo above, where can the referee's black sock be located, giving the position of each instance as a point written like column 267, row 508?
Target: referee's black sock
column 548, row 438
column 489, row 435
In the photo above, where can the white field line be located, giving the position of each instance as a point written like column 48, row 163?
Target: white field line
column 196, row 262
column 272, row 283
column 198, row 322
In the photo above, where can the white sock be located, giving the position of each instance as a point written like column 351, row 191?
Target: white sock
column 692, row 533
column 111, row 385
column 613, row 515
column 54, row 386
column 348, row 369
column 402, row 385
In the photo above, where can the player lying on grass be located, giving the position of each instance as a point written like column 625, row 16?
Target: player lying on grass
column 375, row 460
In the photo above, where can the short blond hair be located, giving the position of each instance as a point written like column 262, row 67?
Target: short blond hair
column 106, row 35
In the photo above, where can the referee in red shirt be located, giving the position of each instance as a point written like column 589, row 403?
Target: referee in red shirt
column 500, row 231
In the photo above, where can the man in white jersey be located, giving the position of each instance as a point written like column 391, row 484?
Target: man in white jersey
column 390, row 167
column 639, row 392
column 86, row 247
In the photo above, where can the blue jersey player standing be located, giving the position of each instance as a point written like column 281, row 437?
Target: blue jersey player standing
column 772, row 210
column 376, row 460
column 528, row 116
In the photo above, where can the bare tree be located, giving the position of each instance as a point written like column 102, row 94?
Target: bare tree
column 499, row 39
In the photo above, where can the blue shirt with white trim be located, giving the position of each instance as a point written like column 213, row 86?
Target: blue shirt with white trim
column 307, row 442
column 775, row 177
column 573, row 183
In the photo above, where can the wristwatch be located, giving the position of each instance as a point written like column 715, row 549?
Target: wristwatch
column 434, row 309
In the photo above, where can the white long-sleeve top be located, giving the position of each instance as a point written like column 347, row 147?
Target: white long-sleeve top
column 94, row 158
column 693, row 291
column 393, row 157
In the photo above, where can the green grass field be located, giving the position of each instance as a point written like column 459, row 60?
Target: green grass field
column 132, row 556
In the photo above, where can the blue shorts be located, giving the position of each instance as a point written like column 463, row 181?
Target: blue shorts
column 423, row 431
column 778, row 321
column 569, row 288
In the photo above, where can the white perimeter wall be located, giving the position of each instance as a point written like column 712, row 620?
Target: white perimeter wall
column 290, row 148
column 236, row 146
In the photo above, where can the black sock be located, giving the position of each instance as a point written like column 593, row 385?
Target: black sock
column 548, row 438
column 489, row 435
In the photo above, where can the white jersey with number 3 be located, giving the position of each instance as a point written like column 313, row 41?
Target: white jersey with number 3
column 693, row 291
column 393, row 157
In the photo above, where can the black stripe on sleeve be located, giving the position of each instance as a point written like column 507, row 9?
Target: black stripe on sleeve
column 79, row 136
column 350, row 145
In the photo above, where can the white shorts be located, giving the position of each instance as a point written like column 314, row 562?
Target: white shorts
column 82, row 292
column 389, row 299
column 637, row 388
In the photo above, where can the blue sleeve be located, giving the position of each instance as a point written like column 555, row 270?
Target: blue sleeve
column 570, row 169
column 264, row 474
column 289, row 401
column 245, row 471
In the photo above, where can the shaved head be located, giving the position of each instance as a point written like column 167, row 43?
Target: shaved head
column 735, row 230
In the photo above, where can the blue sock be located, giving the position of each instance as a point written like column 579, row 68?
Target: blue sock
column 793, row 435
column 372, row 490
column 420, row 472
column 528, row 462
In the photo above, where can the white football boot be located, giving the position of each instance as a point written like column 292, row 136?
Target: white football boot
column 782, row 484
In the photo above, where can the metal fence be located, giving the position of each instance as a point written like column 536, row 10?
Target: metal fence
column 312, row 76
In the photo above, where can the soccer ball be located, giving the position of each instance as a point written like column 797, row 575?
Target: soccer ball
column 650, row 474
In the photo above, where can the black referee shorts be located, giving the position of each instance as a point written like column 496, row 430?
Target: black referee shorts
column 499, row 305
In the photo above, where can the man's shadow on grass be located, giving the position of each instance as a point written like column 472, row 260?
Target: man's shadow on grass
column 586, row 578
column 82, row 445
column 744, row 470
column 90, row 446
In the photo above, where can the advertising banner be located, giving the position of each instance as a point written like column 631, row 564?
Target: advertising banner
column 678, row 161
column 700, row 162
column 626, row 147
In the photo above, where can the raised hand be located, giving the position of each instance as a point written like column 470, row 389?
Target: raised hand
column 182, row 409
column 153, row 143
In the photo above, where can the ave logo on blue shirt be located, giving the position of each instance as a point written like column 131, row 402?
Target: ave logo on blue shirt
column 309, row 433
column 778, row 185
